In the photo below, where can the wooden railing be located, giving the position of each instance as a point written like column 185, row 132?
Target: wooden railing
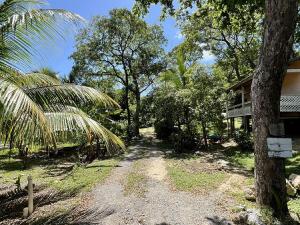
column 289, row 103
column 239, row 110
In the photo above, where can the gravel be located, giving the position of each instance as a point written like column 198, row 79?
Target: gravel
column 160, row 206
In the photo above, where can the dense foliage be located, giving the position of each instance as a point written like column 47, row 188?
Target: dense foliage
column 182, row 100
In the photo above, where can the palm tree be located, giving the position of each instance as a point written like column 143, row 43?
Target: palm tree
column 23, row 23
column 37, row 106
column 41, row 107
column 177, row 76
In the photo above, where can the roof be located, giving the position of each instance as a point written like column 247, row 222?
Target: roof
column 293, row 64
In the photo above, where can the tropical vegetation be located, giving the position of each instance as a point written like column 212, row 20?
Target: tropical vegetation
column 35, row 107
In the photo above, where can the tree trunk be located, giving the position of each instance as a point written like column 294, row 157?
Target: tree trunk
column 129, row 135
column 279, row 27
column 204, row 134
column 136, row 117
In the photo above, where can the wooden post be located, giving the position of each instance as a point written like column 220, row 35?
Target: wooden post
column 227, row 121
column 28, row 210
column 232, row 127
column 30, row 195
column 243, row 108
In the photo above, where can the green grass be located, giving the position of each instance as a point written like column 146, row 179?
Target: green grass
column 237, row 192
column 135, row 180
column 246, row 160
column 194, row 181
column 294, row 205
column 80, row 178
column 84, row 178
column 241, row 159
column 293, row 165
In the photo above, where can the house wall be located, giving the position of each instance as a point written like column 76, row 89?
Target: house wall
column 291, row 84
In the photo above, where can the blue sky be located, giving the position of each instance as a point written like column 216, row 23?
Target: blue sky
column 57, row 56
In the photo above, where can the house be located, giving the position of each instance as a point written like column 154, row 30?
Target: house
column 240, row 105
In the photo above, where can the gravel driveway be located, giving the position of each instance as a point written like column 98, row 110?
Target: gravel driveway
column 160, row 205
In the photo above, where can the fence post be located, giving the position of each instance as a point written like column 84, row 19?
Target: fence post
column 30, row 195
column 28, row 210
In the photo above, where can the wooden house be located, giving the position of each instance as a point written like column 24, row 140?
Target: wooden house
column 240, row 105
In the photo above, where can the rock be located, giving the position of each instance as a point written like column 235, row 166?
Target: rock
column 250, row 193
column 254, row 217
column 223, row 164
column 25, row 212
column 290, row 190
column 251, row 216
column 197, row 153
column 240, row 218
column 295, row 217
column 295, row 180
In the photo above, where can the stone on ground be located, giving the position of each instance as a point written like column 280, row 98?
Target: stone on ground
column 295, row 180
column 291, row 191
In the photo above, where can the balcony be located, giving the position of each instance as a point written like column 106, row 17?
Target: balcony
column 287, row 104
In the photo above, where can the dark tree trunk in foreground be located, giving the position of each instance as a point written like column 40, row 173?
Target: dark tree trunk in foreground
column 279, row 27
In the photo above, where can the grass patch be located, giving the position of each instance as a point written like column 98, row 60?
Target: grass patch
column 237, row 192
column 293, row 164
column 70, row 179
column 84, row 178
column 294, row 205
column 239, row 158
column 136, row 180
column 194, row 181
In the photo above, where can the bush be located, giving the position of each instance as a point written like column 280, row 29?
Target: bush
column 184, row 142
column 244, row 140
column 163, row 129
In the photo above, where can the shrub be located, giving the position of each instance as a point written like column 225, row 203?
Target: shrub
column 163, row 128
column 244, row 140
column 184, row 142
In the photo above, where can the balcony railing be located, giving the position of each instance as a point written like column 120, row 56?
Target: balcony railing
column 287, row 104
column 238, row 110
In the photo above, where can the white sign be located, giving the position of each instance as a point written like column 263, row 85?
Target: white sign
column 280, row 147
column 283, row 154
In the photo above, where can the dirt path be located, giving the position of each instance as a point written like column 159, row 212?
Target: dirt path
column 160, row 205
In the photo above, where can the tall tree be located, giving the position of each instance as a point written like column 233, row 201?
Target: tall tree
column 126, row 48
column 276, row 50
column 206, row 89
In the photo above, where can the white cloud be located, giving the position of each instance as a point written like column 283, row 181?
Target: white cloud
column 208, row 57
column 179, row 35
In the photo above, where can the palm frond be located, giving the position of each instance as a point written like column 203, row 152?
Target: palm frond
column 180, row 63
column 171, row 77
column 24, row 113
column 23, row 23
column 73, row 120
column 70, row 94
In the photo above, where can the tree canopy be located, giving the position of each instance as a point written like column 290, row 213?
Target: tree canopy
column 124, row 48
